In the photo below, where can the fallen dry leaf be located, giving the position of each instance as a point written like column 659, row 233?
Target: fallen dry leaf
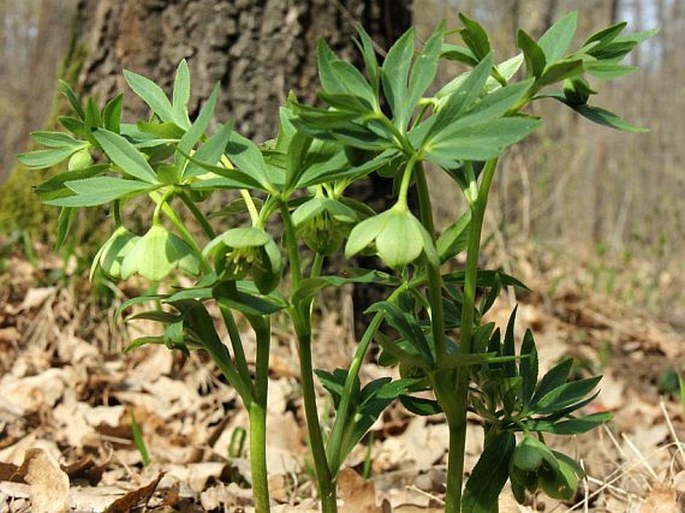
column 662, row 499
column 358, row 494
column 49, row 483
column 134, row 498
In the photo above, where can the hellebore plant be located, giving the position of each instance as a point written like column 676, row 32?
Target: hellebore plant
column 389, row 119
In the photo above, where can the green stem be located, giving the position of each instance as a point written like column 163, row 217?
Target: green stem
column 236, row 343
column 317, row 265
column 457, row 421
column 291, row 246
column 257, row 414
column 206, row 227
column 433, row 272
column 249, row 202
column 324, row 479
column 302, row 322
column 335, row 441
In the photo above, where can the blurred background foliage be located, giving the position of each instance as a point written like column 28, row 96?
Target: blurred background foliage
column 575, row 187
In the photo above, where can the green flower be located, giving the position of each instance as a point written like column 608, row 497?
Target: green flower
column 535, row 466
column 110, row 256
column 324, row 223
column 156, row 254
column 242, row 252
column 398, row 236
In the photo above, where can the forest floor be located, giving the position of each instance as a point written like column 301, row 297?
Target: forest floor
column 68, row 395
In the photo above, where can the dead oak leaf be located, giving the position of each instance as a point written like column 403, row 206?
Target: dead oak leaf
column 49, row 483
column 358, row 494
column 134, row 498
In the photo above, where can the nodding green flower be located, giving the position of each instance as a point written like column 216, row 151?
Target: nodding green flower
column 112, row 253
column 533, row 466
column 80, row 160
column 324, row 223
column 243, row 252
column 399, row 238
column 156, row 254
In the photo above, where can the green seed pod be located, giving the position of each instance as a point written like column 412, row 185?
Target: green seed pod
column 577, row 91
column 80, row 160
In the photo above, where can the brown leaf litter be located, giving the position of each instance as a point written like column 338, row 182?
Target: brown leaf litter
column 66, row 400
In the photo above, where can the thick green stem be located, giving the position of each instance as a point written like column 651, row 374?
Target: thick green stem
column 324, row 479
column 257, row 414
column 260, row 483
column 302, row 322
column 290, row 240
column 433, row 272
column 457, row 422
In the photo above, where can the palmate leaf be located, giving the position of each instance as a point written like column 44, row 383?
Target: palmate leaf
column 395, row 76
column 210, row 152
column 247, row 302
column 365, row 45
column 151, row 94
column 460, row 99
column 475, row 37
column 489, row 476
column 572, row 426
column 310, row 286
column 556, row 40
column 197, row 320
column 533, row 54
column 497, row 103
column 407, row 326
column 605, row 36
column 111, row 114
column 98, row 190
column 422, row 75
column 125, row 156
column 181, row 94
column 458, row 53
column 597, row 114
column 41, row 159
column 245, row 155
column 73, row 100
column 477, row 141
column 56, row 140
column 565, row 395
column 353, row 82
column 554, row 378
column 561, row 70
column 455, row 238
column 196, row 131
column 608, row 71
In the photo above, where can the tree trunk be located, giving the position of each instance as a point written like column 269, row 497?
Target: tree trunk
column 258, row 50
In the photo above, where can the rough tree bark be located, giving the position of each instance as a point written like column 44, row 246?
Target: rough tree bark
column 258, row 49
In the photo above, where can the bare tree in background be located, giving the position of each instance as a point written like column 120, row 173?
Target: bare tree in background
column 33, row 35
